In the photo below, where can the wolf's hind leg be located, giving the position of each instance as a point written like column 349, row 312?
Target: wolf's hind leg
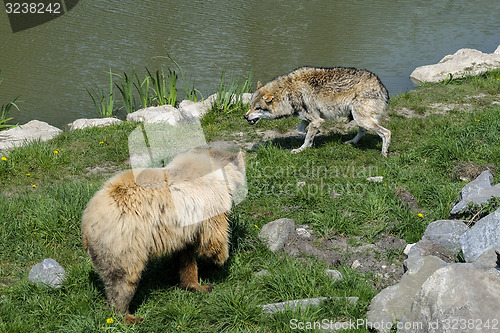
column 311, row 132
column 301, row 128
column 361, row 133
column 384, row 133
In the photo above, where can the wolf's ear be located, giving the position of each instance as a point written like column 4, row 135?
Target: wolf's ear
column 268, row 98
column 259, row 84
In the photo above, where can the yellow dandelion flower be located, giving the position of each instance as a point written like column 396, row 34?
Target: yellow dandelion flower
column 4, row 158
column 256, row 226
column 420, row 215
column 34, row 186
column 110, row 321
column 56, row 151
column 101, row 142
column 28, row 174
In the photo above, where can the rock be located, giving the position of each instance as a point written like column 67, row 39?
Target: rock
column 394, row 302
column 489, row 259
column 408, row 248
column 262, row 272
column 48, row 272
column 464, row 62
column 334, row 274
column 478, row 191
column 303, row 303
column 275, row 234
column 356, row 264
column 190, row 109
column 446, row 233
column 303, row 233
column 31, row 131
column 484, row 235
column 156, row 114
column 456, row 293
column 94, row 122
column 377, row 179
column 425, row 247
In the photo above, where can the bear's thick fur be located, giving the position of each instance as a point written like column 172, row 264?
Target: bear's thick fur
column 181, row 210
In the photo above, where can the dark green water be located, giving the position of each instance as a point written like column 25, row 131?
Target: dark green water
column 46, row 65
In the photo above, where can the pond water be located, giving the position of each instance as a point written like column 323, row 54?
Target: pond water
column 46, row 65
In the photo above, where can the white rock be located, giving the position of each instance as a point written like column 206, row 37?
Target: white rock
column 463, row 62
column 303, row 233
column 48, row 272
column 31, row 131
column 93, row 122
column 377, row 179
column 156, row 114
column 334, row 274
column 356, row 264
column 408, row 248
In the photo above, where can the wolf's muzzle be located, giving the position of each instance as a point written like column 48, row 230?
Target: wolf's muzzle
column 251, row 121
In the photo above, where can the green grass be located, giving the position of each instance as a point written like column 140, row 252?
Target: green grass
column 44, row 221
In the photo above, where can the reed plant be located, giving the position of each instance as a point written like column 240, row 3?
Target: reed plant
column 164, row 86
column 190, row 93
column 143, row 90
column 126, row 88
column 5, row 111
column 229, row 95
column 103, row 103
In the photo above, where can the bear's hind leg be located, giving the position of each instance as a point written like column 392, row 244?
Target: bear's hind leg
column 120, row 289
column 188, row 270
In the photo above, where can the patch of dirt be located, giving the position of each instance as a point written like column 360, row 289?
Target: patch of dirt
column 382, row 258
column 435, row 108
column 406, row 197
column 467, row 171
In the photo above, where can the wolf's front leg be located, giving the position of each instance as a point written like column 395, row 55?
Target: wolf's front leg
column 311, row 132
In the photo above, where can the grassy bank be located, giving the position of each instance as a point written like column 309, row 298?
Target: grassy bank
column 441, row 133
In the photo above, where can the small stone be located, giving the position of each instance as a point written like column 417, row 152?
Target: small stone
column 303, row 233
column 262, row 272
column 301, row 184
column 335, row 194
column 48, row 272
column 275, row 234
column 334, row 274
column 356, row 264
column 377, row 179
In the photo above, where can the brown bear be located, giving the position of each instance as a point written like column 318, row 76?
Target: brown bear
column 181, row 209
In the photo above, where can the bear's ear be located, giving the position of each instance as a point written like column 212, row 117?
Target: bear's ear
column 259, row 84
column 268, row 98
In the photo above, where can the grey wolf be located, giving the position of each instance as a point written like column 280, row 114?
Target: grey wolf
column 318, row 94
column 181, row 210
